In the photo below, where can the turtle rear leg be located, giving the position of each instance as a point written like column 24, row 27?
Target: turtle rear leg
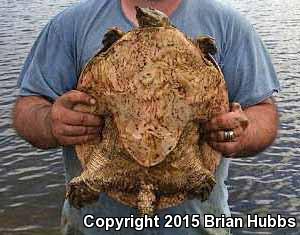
column 79, row 194
column 85, row 189
column 146, row 200
column 201, row 186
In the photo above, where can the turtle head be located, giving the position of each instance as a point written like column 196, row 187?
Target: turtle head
column 149, row 17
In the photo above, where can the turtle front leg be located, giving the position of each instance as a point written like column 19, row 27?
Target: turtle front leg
column 146, row 199
column 206, row 44
column 208, row 47
column 79, row 194
column 112, row 35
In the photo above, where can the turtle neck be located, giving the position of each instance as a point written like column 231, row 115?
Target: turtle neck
column 169, row 7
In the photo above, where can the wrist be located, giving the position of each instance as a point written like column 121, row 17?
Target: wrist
column 247, row 148
column 53, row 141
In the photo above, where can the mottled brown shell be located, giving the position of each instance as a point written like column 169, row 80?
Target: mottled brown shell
column 153, row 87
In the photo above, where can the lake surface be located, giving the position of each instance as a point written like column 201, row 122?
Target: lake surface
column 32, row 181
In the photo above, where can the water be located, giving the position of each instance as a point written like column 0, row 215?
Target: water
column 32, row 181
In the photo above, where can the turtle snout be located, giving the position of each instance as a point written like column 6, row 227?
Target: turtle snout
column 139, row 12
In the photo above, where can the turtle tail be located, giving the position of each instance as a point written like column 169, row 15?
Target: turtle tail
column 146, row 200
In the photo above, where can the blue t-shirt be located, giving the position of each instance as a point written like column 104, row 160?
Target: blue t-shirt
column 71, row 38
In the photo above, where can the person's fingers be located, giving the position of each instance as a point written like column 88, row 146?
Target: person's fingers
column 227, row 148
column 72, row 140
column 68, row 130
column 72, row 127
column 74, row 118
column 74, row 97
column 219, row 136
column 225, row 121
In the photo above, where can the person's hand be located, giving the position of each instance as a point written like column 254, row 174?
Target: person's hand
column 70, row 127
column 226, row 132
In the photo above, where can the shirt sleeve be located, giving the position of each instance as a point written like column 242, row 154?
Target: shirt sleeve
column 49, row 70
column 246, row 64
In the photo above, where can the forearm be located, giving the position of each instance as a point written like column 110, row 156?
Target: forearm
column 262, row 129
column 31, row 119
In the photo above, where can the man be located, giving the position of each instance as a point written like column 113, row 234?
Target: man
column 44, row 115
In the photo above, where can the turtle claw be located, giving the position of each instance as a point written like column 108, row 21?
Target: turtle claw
column 203, row 191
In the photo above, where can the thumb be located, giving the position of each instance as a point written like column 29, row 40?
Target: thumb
column 235, row 107
column 244, row 121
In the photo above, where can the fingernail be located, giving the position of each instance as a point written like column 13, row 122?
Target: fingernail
column 93, row 101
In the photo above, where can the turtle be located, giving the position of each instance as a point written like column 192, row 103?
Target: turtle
column 154, row 88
